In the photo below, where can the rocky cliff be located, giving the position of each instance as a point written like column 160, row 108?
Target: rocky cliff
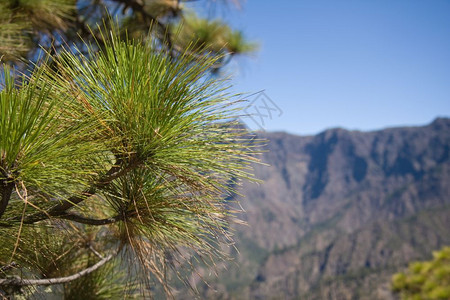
column 339, row 213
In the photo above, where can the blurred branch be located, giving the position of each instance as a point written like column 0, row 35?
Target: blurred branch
column 17, row 281
column 90, row 221
column 138, row 7
column 8, row 266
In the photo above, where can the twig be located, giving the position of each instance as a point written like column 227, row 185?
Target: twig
column 17, row 281
column 90, row 221
column 8, row 266
column 96, row 252
column 60, row 209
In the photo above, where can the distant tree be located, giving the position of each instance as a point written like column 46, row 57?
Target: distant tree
column 425, row 280
column 27, row 27
column 116, row 152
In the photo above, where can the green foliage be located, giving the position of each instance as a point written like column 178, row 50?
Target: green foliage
column 205, row 35
column 28, row 26
column 21, row 21
column 124, row 152
column 44, row 146
column 103, row 284
column 425, row 280
column 13, row 43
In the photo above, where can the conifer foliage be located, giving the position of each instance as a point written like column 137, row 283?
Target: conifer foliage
column 425, row 280
column 117, row 152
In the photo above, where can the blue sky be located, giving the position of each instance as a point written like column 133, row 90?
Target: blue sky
column 355, row 64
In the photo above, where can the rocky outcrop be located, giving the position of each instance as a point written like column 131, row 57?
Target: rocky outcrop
column 339, row 213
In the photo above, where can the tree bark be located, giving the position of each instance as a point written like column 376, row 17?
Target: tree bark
column 6, row 188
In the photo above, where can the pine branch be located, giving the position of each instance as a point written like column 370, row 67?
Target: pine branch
column 60, row 209
column 138, row 7
column 90, row 221
column 8, row 266
column 18, row 282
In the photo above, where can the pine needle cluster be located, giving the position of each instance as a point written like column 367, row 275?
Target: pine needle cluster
column 114, row 167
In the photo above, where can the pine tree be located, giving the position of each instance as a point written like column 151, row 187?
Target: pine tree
column 117, row 152
column 28, row 27
column 425, row 280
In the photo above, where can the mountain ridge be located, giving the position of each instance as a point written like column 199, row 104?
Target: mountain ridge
column 338, row 213
column 287, row 132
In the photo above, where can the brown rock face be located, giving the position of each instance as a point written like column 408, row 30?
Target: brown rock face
column 339, row 213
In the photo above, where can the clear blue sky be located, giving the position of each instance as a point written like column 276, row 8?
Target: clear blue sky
column 362, row 64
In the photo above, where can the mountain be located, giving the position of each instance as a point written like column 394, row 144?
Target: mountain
column 338, row 214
